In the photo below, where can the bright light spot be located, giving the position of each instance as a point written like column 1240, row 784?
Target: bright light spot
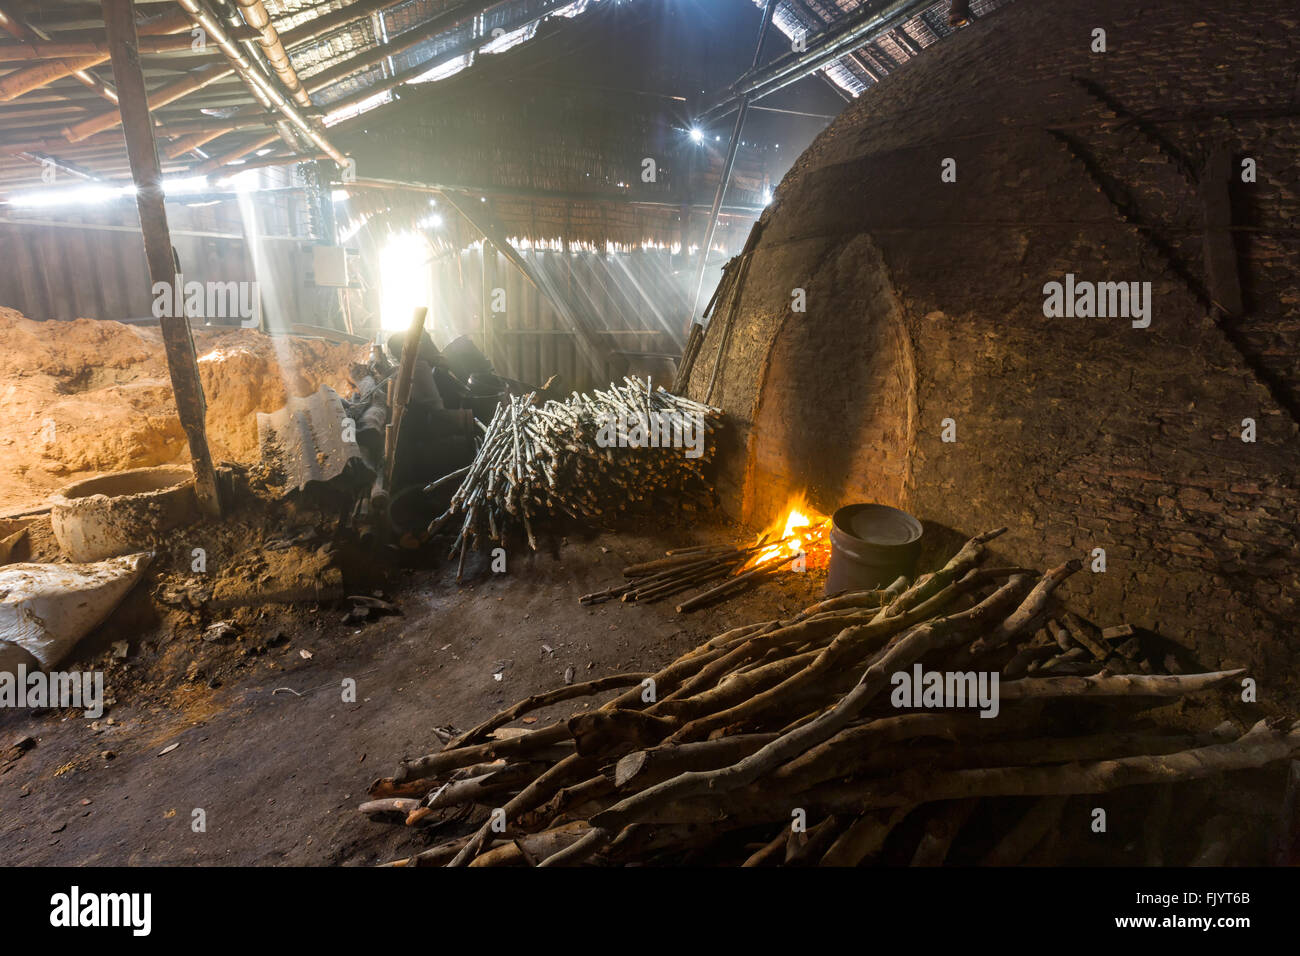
column 339, row 195
column 767, row 197
column 95, row 194
column 247, row 181
column 443, row 70
column 61, row 196
column 507, row 41
column 181, row 185
column 577, row 8
column 404, row 277
column 431, row 222
column 717, row 139
column 697, row 135
column 347, row 112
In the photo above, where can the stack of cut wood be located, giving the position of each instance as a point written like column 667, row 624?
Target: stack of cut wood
column 790, row 742
column 686, row 568
column 619, row 449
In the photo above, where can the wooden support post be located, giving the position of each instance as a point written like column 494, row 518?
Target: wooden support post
column 485, row 333
column 137, row 125
column 769, row 9
column 402, row 387
column 1220, row 251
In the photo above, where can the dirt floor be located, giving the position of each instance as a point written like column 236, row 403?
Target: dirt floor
column 263, row 743
column 89, row 396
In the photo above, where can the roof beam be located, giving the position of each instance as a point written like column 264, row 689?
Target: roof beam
column 259, row 85
column 402, row 42
column 255, row 15
column 34, row 77
column 858, row 29
column 57, row 49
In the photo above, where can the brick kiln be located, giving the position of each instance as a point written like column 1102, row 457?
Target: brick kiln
column 926, row 316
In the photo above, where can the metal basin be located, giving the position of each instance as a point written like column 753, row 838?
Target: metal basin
column 871, row 545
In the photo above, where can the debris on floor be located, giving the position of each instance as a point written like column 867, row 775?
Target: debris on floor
column 45, row 609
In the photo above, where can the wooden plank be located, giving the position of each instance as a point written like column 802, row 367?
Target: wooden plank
column 137, row 126
column 1220, row 252
column 402, row 387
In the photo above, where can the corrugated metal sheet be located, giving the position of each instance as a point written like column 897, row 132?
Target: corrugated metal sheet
column 90, row 263
column 306, row 440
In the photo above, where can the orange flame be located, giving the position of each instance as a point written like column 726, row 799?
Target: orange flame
column 801, row 529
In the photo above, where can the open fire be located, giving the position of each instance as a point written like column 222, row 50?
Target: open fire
column 801, row 529
column 719, row 572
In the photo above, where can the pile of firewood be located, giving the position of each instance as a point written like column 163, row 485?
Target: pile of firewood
column 699, row 567
column 554, row 459
column 782, row 741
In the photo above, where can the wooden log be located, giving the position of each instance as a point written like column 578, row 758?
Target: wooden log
column 1083, row 632
column 528, row 848
column 1116, row 685
column 941, row 830
column 929, row 585
column 865, row 838
column 573, row 767
column 768, row 851
column 733, row 584
column 538, row 701
column 912, row 647
column 643, row 767
column 431, row 765
column 1016, row 844
column 402, row 385
column 807, row 849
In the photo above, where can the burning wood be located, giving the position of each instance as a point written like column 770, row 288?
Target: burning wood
column 799, row 541
column 712, row 757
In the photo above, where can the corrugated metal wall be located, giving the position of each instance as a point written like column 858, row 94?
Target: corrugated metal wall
column 90, row 263
column 635, row 304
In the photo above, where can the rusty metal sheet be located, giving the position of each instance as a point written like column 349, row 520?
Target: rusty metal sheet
column 306, row 441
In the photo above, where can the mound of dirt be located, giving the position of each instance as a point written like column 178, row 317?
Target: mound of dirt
column 88, row 396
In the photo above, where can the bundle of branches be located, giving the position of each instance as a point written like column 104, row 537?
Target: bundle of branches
column 714, row 757
column 720, row 571
column 624, row 448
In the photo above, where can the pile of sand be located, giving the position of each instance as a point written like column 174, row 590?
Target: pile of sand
column 83, row 397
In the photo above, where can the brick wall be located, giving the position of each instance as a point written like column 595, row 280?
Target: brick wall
column 925, row 303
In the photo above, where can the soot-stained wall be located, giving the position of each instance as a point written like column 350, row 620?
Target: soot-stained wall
column 925, row 303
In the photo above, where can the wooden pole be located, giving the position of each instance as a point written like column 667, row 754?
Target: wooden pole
column 402, row 386
column 769, row 9
column 137, row 125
